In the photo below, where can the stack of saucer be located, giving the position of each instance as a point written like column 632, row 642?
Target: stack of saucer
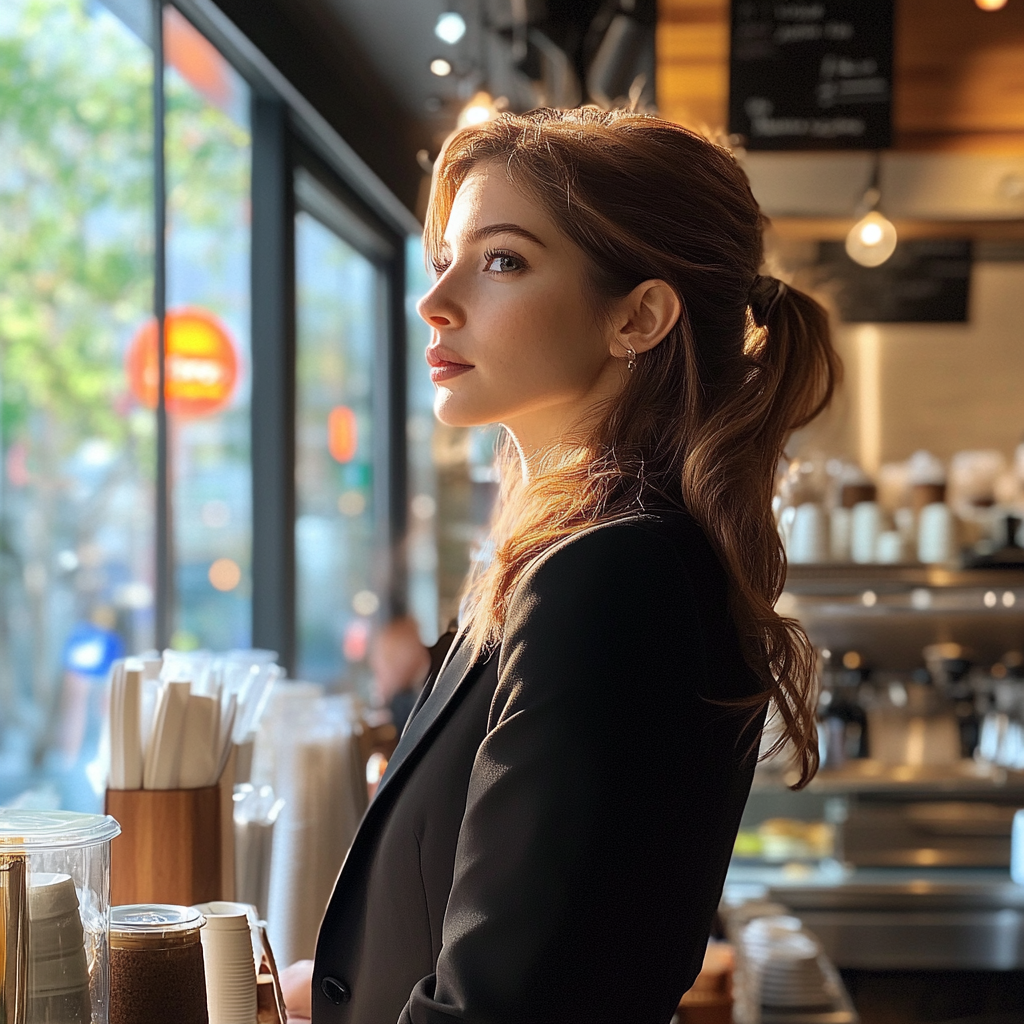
column 58, row 976
column 792, row 981
column 786, row 977
column 230, row 966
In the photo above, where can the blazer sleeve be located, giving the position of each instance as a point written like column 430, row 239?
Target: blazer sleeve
column 603, row 802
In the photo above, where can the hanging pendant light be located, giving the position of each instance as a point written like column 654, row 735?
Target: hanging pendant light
column 479, row 109
column 872, row 240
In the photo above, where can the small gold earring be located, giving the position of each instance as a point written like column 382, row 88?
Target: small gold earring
column 630, row 358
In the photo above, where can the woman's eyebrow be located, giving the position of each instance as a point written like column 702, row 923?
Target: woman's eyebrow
column 479, row 234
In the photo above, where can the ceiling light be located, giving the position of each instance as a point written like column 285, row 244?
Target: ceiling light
column 440, row 67
column 479, row 109
column 991, row 5
column 872, row 240
column 450, row 27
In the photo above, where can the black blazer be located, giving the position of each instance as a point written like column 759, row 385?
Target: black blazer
column 550, row 839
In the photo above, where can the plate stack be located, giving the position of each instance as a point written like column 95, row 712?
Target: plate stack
column 58, row 975
column 789, row 977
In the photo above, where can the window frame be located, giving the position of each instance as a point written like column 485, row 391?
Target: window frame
column 291, row 142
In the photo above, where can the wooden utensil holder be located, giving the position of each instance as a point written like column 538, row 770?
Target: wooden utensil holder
column 176, row 845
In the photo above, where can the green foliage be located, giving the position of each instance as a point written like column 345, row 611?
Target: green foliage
column 76, row 209
column 75, row 232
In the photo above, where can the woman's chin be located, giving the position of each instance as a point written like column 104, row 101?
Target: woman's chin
column 452, row 412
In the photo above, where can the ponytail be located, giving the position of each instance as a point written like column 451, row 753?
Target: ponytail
column 792, row 373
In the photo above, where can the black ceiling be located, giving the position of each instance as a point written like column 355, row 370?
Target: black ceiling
column 365, row 64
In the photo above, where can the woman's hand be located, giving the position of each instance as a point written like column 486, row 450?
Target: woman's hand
column 297, row 990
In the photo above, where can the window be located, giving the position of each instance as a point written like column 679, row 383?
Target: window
column 209, row 159
column 78, row 452
column 336, row 539
column 127, row 522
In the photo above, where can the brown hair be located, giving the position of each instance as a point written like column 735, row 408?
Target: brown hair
column 702, row 421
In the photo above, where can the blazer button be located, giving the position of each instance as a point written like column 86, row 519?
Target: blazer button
column 337, row 991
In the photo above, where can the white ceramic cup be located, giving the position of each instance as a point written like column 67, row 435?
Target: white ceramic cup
column 807, row 535
column 865, row 526
column 889, row 548
column 840, row 525
column 935, row 543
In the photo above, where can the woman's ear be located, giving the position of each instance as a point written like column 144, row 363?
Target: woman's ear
column 644, row 316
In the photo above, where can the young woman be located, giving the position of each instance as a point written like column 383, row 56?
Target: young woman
column 550, row 841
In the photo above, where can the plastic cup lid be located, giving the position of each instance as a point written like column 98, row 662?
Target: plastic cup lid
column 154, row 920
column 24, row 831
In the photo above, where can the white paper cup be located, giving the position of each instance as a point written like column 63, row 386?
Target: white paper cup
column 229, row 963
column 57, row 961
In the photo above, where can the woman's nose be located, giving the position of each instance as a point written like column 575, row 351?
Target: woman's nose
column 438, row 309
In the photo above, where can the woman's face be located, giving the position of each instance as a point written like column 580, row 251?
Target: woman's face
column 515, row 339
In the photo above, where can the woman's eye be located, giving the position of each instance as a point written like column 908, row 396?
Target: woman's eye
column 502, row 262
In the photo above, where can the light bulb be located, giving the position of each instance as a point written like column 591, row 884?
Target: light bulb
column 440, row 67
column 991, row 5
column 479, row 109
column 871, row 241
column 450, row 28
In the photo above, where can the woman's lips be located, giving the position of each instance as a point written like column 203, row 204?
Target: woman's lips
column 442, row 364
column 446, row 371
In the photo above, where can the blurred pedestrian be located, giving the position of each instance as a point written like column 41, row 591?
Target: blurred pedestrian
column 400, row 663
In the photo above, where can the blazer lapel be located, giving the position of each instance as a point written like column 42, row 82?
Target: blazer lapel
column 454, row 671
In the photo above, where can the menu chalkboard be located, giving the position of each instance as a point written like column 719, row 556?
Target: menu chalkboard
column 925, row 280
column 813, row 74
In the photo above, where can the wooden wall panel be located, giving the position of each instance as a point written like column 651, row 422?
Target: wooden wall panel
column 959, row 79
column 693, row 62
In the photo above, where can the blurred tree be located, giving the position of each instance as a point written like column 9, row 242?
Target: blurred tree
column 77, row 455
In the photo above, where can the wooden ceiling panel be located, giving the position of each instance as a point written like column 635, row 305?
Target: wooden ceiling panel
column 959, row 77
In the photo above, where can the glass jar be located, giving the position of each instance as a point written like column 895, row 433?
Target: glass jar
column 156, row 965
column 54, row 903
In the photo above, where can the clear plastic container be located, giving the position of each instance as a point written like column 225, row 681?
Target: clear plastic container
column 54, row 909
column 157, row 974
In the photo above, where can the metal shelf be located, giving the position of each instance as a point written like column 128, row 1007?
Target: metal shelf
column 836, row 579
column 864, row 775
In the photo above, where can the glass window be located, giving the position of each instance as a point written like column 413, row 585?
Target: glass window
column 78, row 450
column 209, row 157
column 338, row 296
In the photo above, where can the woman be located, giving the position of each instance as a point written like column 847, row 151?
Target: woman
column 550, row 840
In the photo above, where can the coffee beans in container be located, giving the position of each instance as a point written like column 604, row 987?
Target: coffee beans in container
column 156, row 965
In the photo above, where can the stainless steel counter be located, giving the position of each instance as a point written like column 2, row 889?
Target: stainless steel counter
column 899, row 919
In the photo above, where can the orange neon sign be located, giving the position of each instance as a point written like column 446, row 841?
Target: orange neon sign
column 201, row 365
column 342, row 437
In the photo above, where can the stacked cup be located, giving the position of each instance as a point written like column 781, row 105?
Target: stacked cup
column 58, row 975
column 230, row 965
